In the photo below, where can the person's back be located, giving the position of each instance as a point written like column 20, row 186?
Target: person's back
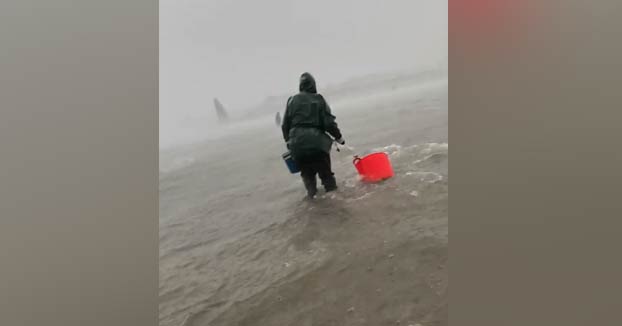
column 306, row 121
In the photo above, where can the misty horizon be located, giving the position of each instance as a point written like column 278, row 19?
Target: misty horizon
column 243, row 53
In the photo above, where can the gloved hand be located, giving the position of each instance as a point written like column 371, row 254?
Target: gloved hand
column 340, row 141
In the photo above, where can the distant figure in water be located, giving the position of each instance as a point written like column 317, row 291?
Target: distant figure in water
column 306, row 122
column 278, row 119
column 220, row 111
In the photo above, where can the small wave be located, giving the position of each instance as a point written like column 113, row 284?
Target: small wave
column 429, row 157
column 430, row 177
column 388, row 149
column 433, row 147
column 364, row 196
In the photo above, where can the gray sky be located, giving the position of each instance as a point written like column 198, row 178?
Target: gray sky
column 243, row 51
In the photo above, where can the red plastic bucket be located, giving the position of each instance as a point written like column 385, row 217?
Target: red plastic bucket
column 374, row 167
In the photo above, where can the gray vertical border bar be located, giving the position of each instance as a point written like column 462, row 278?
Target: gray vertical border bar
column 78, row 162
column 536, row 166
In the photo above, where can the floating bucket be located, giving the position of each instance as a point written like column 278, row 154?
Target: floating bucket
column 374, row 167
column 291, row 165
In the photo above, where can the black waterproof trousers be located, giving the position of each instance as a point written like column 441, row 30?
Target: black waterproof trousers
column 316, row 164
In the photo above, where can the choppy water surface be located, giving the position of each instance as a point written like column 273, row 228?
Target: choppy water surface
column 240, row 246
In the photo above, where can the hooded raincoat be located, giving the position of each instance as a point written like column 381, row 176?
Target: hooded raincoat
column 308, row 121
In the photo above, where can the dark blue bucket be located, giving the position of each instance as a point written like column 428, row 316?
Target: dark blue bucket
column 291, row 165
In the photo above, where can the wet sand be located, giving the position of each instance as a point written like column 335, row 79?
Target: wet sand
column 239, row 245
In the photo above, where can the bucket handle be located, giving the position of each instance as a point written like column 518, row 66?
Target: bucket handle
column 356, row 160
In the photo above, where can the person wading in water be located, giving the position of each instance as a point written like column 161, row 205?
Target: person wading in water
column 307, row 124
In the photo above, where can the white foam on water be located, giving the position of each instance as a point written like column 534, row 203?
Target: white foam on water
column 351, row 182
column 439, row 178
column 430, row 147
column 424, row 176
column 439, row 145
column 414, row 193
column 388, row 149
column 423, row 159
column 366, row 195
column 333, row 196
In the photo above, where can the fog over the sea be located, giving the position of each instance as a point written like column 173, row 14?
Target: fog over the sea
column 243, row 51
